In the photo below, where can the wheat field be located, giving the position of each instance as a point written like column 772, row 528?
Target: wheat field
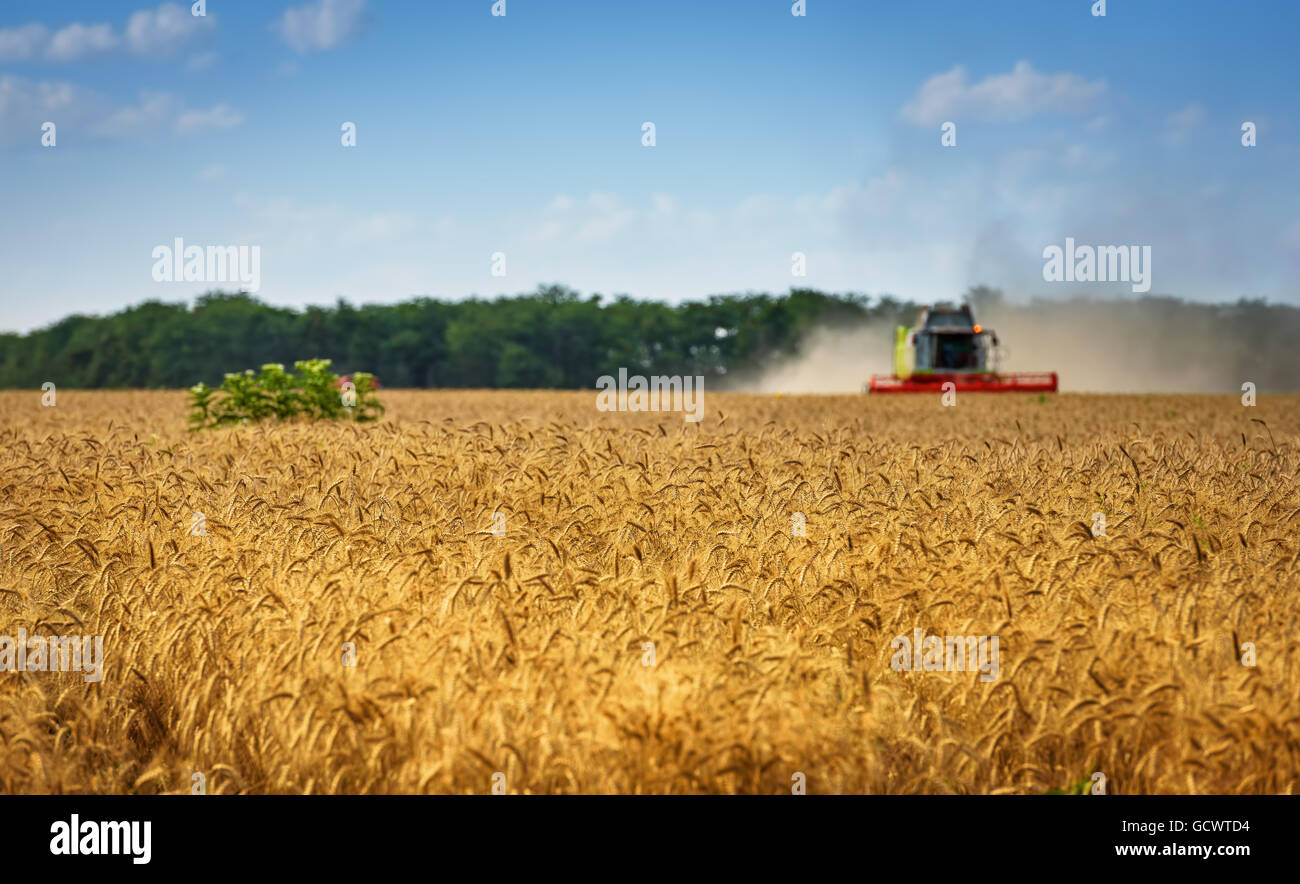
column 543, row 598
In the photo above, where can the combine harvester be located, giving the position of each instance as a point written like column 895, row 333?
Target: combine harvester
column 948, row 346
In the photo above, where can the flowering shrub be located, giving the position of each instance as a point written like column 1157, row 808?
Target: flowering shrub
column 314, row 392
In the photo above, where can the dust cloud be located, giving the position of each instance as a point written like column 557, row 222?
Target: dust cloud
column 1149, row 345
column 831, row 360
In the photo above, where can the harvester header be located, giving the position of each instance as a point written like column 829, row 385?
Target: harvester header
column 947, row 345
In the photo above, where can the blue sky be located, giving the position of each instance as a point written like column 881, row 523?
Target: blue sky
column 522, row 134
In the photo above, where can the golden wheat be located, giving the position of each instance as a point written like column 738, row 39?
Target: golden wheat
column 518, row 645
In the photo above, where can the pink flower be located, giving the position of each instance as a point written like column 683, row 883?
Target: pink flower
column 347, row 378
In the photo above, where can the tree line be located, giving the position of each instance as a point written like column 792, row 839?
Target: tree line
column 552, row 338
column 558, row 338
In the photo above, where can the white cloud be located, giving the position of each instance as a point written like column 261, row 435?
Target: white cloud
column 321, row 25
column 212, row 173
column 15, row 92
column 598, row 218
column 25, row 105
column 20, row 44
column 164, row 31
column 77, row 41
column 1000, row 97
column 154, row 108
column 331, row 226
column 220, row 116
column 880, row 198
column 149, row 33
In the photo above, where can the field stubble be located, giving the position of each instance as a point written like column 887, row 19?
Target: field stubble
column 523, row 653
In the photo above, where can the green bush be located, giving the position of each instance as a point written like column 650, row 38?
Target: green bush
column 314, row 392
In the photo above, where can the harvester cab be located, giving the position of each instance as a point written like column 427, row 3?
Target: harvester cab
column 947, row 346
